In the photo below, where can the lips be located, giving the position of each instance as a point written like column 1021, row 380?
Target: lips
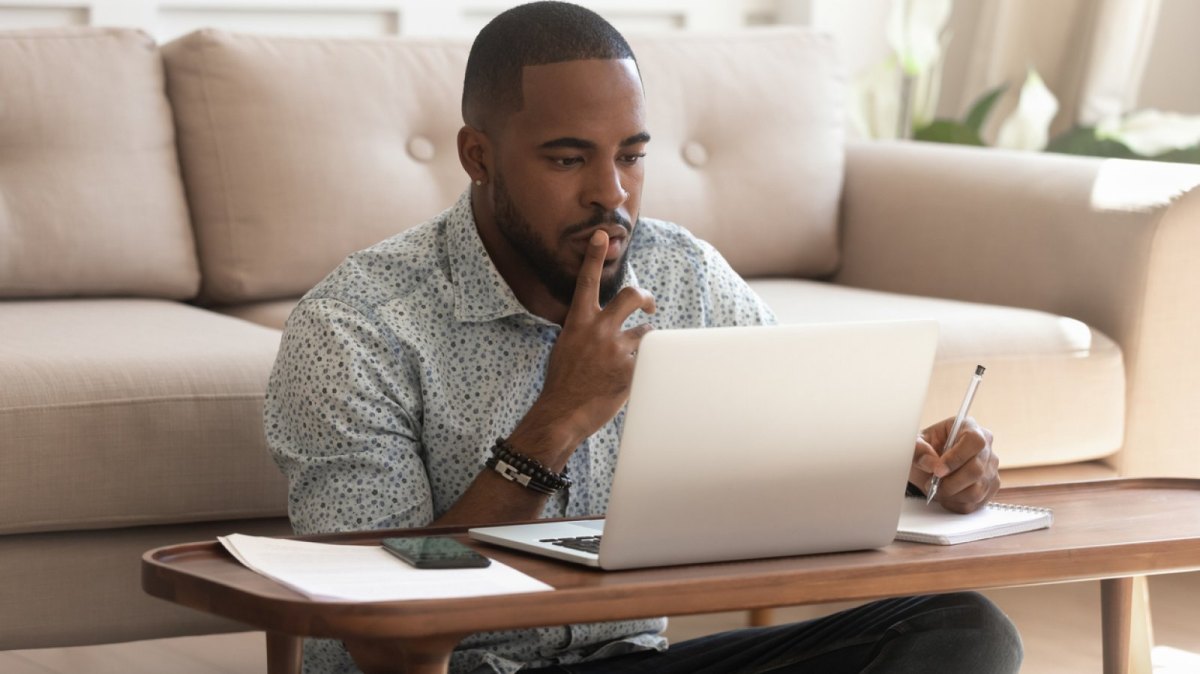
column 616, row 246
column 618, row 238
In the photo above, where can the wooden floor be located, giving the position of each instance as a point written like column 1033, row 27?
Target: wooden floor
column 1060, row 625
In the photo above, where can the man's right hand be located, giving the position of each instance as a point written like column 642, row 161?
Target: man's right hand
column 590, row 369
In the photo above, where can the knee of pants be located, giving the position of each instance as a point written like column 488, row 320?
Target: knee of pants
column 997, row 633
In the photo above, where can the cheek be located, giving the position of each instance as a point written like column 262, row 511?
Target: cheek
column 535, row 197
column 634, row 204
column 547, row 218
column 633, row 184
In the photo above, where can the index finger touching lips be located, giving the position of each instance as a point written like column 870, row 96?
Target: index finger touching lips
column 587, row 285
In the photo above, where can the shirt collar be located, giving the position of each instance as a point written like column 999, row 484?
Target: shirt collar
column 480, row 292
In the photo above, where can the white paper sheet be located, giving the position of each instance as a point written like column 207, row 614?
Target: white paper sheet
column 328, row 572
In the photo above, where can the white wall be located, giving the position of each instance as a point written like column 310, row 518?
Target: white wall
column 167, row 19
column 994, row 40
column 857, row 25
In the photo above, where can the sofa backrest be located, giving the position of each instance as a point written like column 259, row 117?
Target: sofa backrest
column 748, row 144
column 91, row 201
column 297, row 151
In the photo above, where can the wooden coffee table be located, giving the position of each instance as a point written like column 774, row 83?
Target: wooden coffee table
column 1109, row 530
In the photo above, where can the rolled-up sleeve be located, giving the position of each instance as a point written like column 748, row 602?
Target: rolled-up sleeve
column 342, row 421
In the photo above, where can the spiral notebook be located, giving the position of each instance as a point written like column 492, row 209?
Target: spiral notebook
column 931, row 523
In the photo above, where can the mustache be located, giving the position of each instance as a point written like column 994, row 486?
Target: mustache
column 600, row 217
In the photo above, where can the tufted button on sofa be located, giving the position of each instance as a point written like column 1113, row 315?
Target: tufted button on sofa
column 162, row 209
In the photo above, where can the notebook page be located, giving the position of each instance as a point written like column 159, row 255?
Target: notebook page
column 931, row 523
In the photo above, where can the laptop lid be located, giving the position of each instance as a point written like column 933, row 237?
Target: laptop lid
column 750, row 442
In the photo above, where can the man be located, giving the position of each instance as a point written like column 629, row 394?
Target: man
column 516, row 314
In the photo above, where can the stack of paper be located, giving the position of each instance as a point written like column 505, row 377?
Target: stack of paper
column 367, row 572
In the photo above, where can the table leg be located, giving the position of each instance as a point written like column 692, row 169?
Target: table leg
column 1116, row 605
column 283, row 653
column 762, row 617
column 403, row 656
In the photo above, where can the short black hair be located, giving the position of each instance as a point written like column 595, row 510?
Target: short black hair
column 530, row 35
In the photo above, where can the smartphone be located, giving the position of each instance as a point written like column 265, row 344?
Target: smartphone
column 435, row 552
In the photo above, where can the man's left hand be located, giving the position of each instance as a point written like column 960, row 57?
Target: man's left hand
column 969, row 471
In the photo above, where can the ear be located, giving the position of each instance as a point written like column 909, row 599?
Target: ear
column 475, row 154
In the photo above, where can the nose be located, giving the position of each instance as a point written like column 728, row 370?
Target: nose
column 604, row 188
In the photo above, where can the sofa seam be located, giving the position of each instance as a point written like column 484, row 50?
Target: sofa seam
column 1072, row 356
column 214, row 34
column 149, row 400
column 136, row 521
column 231, row 249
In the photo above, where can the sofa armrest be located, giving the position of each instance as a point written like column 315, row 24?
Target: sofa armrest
column 1110, row 242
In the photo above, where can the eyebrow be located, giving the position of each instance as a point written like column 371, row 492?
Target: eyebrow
column 581, row 144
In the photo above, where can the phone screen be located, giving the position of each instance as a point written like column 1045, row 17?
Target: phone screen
column 435, row 552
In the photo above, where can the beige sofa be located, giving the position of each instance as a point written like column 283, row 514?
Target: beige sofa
column 162, row 210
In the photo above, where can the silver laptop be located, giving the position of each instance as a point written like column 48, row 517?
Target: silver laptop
column 744, row 443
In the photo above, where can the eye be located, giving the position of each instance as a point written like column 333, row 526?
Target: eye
column 566, row 162
column 631, row 159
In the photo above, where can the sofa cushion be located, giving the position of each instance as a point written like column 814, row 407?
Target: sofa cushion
column 1054, row 391
column 271, row 313
column 91, row 201
column 1082, row 471
column 130, row 411
column 74, row 588
column 748, row 144
column 299, row 151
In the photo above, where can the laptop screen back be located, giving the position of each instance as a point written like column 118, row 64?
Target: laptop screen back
column 756, row 442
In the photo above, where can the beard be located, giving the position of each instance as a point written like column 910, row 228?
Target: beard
column 558, row 278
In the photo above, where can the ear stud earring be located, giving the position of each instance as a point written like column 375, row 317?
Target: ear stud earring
column 479, row 183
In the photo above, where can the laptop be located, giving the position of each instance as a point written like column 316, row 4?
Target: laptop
column 754, row 442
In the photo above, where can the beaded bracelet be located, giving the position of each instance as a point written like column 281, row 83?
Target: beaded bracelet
column 524, row 470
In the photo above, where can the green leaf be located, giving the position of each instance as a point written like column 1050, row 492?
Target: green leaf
column 1082, row 140
column 1188, row 155
column 983, row 107
column 948, row 131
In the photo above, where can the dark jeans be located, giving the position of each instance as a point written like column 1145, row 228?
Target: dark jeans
column 947, row 634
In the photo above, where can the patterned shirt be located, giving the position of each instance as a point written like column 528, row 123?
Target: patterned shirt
column 397, row 372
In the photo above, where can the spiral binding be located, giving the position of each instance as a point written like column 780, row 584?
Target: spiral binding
column 1019, row 508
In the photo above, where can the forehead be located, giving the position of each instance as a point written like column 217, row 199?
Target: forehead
column 581, row 98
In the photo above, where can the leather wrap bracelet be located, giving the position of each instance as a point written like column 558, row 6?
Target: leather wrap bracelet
column 524, row 470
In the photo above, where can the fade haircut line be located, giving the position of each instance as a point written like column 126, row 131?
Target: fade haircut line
column 538, row 33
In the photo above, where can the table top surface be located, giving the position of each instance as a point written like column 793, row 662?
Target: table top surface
column 1101, row 529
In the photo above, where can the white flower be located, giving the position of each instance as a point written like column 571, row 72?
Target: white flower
column 913, row 30
column 927, row 88
column 876, row 107
column 1151, row 132
column 1028, row 128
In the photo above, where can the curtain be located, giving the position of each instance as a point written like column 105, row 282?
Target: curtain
column 1091, row 53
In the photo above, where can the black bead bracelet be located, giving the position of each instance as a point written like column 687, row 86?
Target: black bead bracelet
column 524, row 470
